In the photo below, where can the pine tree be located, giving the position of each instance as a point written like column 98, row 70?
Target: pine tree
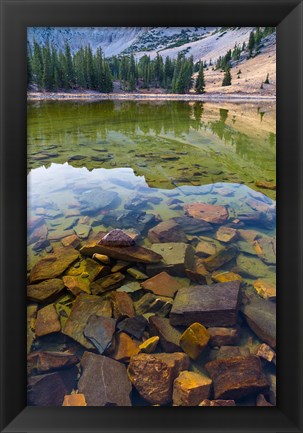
column 48, row 73
column 29, row 66
column 37, row 65
column 68, row 67
column 200, row 83
column 227, row 78
column 251, row 44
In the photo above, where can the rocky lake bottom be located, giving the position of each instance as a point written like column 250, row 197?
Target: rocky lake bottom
column 151, row 255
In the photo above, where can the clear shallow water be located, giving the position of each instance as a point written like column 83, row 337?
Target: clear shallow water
column 129, row 165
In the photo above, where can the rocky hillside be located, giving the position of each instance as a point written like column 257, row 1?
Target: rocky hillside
column 201, row 42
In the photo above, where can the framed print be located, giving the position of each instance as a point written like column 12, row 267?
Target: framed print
column 142, row 156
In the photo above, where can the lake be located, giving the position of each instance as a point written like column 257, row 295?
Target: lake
column 207, row 170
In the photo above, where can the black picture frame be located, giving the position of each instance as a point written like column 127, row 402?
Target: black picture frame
column 287, row 15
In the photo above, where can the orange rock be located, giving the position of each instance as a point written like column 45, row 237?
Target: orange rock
column 162, row 284
column 47, row 321
column 265, row 352
column 71, row 241
column 226, row 234
column 74, row 400
column 207, row 212
column 225, row 276
column 265, row 289
column 76, row 285
column 125, row 348
column 122, row 305
column 194, row 340
column 191, row 388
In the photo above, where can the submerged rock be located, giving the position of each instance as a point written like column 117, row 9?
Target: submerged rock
column 150, row 303
column 220, row 258
column 217, row 403
column 96, row 199
column 207, row 212
column 50, row 389
column 167, row 231
column 104, row 381
column 125, row 347
column 149, row 345
column 220, row 336
column 123, row 305
column 47, row 321
column 83, row 307
column 134, row 253
column 54, row 264
column 134, row 326
column 42, row 362
column 194, row 340
column 226, row 234
column 107, row 283
column 100, row 330
column 45, row 291
column 162, row 284
column 266, row 290
column 176, row 257
column 76, row 285
column 192, row 225
column 74, row 400
column 191, row 388
column 214, row 305
column 237, row 377
column 261, row 318
column 153, row 375
column 117, row 238
column 169, row 336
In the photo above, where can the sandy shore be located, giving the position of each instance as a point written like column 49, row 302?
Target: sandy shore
column 39, row 96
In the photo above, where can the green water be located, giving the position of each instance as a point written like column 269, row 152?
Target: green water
column 169, row 143
column 130, row 165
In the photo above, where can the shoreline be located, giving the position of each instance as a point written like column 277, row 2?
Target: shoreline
column 213, row 97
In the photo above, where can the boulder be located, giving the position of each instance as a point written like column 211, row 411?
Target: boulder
column 47, row 321
column 162, row 284
column 54, row 264
column 207, row 212
column 83, row 307
column 167, row 231
column 194, row 340
column 153, row 375
column 169, row 336
column 50, row 389
column 42, row 362
column 191, row 388
column 134, row 253
column 100, row 331
column 176, row 257
column 214, row 305
column 237, row 377
column 45, row 291
column 104, row 381
column 220, row 336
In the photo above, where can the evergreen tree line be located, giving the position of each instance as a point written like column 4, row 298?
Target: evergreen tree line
column 52, row 69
